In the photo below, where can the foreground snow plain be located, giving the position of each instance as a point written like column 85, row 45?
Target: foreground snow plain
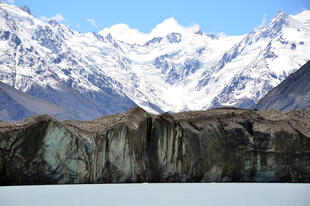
column 190, row 194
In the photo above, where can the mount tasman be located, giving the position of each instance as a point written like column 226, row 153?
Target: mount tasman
column 46, row 67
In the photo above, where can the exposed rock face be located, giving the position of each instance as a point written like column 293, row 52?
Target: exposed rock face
column 222, row 145
column 17, row 105
column 292, row 93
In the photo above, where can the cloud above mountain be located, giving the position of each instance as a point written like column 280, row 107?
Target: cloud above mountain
column 123, row 32
column 58, row 17
column 92, row 22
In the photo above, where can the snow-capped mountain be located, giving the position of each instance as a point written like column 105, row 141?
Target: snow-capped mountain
column 260, row 61
column 173, row 68
column 52, row 62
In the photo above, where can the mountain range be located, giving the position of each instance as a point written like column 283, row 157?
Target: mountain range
column 173, row 68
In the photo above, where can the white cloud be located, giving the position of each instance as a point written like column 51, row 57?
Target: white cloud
column 92, row 22
column 57, row 17
column 11, row 1
column 171, row 25
column 124, row 33
column 262, row 23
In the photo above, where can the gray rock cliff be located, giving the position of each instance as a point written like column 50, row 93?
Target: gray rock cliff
column 219, row 145
column 292, row 93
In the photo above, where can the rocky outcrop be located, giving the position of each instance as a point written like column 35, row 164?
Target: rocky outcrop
column 219, row 145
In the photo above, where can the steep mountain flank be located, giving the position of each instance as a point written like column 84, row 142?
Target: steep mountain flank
column 292, row 93
column 222, row 145
column 16, row 105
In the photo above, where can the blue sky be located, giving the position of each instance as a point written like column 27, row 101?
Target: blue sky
column 233, row 17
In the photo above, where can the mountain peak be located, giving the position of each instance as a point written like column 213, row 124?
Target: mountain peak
column 281, row 13
column 26, row 9
column 280, row 16
column 275, row 26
